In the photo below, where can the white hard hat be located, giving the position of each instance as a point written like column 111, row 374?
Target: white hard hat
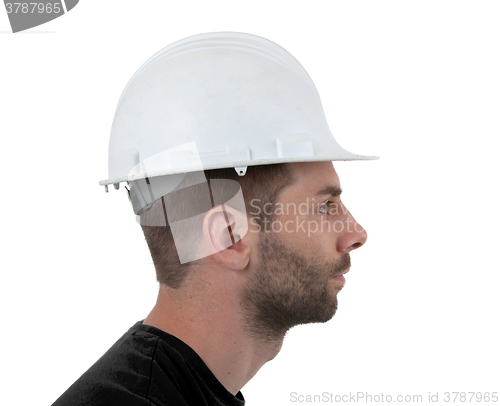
column 216, row 100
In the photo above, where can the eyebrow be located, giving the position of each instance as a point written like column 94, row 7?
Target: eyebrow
column 330, row 190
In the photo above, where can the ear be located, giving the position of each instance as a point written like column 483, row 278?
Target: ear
column 225, row 230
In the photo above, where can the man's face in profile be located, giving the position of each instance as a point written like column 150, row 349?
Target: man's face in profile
column 302, row 253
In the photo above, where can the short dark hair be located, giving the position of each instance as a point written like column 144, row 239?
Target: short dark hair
column 261, row 185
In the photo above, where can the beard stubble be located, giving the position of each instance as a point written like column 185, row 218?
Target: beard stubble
column 288, row 289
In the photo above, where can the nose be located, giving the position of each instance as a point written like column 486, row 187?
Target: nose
column 353, row 236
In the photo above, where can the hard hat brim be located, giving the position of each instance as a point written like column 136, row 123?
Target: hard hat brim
column 347, row 156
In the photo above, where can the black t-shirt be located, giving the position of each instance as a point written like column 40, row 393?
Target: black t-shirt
column 148, row 367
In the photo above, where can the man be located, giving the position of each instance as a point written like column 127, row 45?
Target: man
column 237, row 305
column 244, row 251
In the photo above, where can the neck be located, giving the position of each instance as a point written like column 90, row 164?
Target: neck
column 212, row 324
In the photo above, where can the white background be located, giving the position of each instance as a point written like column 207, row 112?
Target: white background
column 415, row 82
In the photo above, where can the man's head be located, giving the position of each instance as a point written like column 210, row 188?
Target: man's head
column 286, row 269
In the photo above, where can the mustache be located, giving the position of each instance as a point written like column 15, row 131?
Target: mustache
column 342, row 265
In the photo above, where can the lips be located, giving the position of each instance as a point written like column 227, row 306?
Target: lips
column 339, row 277
column 341, row 273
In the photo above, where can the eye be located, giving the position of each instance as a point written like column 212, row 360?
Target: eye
column 324, row 208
